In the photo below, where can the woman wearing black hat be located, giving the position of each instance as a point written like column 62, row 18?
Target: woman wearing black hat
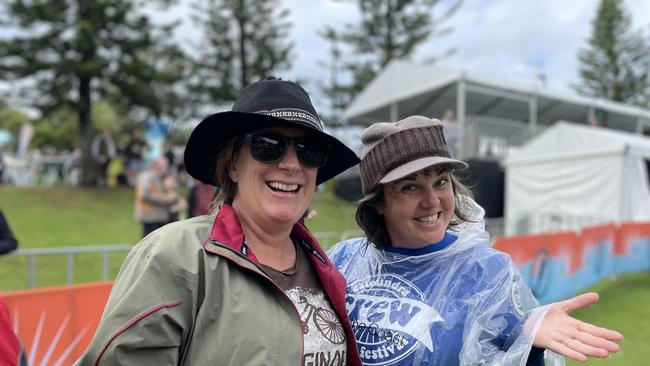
column 425, row 287
column 248, row 285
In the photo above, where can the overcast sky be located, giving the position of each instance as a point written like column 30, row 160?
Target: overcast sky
column 508, row 39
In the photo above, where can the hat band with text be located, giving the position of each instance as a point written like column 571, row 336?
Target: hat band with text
column 294, row 114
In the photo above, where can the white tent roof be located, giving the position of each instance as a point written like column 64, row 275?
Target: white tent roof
column 566, row 140
column 572, row 175
column 427, row 89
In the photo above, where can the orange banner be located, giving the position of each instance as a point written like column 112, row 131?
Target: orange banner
column 525, row 248
column 628, row 234
column 591, row 238
column 55, row 325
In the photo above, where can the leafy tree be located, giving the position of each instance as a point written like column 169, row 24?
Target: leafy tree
column 245, row 41
column 616, row 63
column 11, row 119
column 59, row 128
column 76, row 51
column 334, row 91
column 388, row 29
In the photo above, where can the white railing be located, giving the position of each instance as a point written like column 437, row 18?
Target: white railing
column 545, row 223
column 40, row 169
column 493, row 138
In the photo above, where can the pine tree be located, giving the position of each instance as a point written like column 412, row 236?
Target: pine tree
column 75, row 51
column 616, row 64
column 334, row 91
column 245, row 41
column 389, row 29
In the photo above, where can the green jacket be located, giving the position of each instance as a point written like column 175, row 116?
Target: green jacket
column 191, row 293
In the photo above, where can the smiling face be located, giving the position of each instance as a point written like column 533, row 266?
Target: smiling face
column 418, row 208
column 272, row 192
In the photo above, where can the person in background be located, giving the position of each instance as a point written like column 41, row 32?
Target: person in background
column 152, row 204
column 200, row 198
column 134, row 155
column 425, row 287
column 170, row 186
column 2, row 167
column 103, row 151
column 170, row 154
column 450, row 129
column 248, row 284
column 8, row 241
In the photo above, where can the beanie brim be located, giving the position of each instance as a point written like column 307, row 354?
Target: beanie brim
column 419, row 164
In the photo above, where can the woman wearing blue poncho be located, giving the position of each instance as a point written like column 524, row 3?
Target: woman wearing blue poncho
column 425, row 287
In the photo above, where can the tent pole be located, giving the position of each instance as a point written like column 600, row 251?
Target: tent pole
column 394, row 112
column 460, row 114
column 532, row 114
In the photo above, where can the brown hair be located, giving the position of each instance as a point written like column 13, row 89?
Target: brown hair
column 374, row 226
column 223, row 161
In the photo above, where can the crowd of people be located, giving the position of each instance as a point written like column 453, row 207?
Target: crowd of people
column 248, row 283
column 117, row 159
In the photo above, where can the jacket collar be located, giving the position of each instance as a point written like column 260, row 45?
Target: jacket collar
column 227, row 231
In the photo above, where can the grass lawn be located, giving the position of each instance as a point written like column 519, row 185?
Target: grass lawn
column 623, row 306
column 43, row 217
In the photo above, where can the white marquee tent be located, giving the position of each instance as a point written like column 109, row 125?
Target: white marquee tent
column 573, row 175
column 405, row 88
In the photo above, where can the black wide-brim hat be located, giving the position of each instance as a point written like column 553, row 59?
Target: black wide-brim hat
column 264, row 104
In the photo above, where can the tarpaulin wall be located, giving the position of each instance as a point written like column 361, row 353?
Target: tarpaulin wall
column 560, row 265
column 55, row 325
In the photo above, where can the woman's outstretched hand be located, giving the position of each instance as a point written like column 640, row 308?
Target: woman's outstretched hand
column 571, row 337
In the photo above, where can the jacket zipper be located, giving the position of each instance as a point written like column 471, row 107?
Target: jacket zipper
column 263, row 274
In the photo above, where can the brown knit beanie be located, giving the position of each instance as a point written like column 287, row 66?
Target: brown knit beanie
column 393, row 150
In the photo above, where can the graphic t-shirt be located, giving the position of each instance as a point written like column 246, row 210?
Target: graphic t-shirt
column 324, row 337
column 434, row 305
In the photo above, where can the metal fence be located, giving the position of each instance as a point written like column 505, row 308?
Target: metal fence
column 326, row 239
column 39, row 169
column 545, row 223
column 69, row 253
column 495, row 226
column 492, row 138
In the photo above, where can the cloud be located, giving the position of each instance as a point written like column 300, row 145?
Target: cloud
column 513, row 39
column 508, row 39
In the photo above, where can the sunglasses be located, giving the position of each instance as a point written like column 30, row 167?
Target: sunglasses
column 271, row 148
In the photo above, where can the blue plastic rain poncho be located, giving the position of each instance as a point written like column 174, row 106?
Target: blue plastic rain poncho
column 457, row 301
